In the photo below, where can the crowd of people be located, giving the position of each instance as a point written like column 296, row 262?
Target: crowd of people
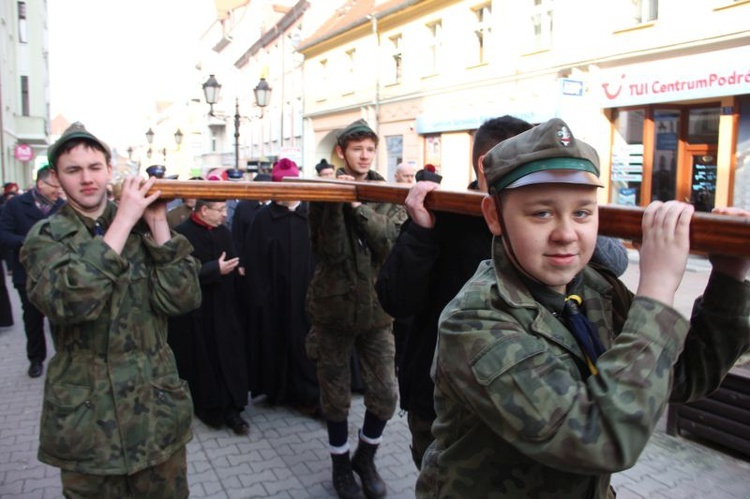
column 525, row 366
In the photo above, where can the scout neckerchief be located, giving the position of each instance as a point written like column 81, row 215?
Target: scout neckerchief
column 568, row 309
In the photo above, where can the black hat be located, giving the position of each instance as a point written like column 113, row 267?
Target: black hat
column 234, row 174
column 429, row 172
column 262, row 177
column 157, row 171
column 322, row 165
column 545, row 154
column 74, row 131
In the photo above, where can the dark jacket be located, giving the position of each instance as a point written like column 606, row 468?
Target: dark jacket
column 18, row 216
column 424, row 271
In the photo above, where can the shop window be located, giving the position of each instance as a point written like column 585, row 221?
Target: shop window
column 627, row 158
column 432, row 152
column 742, row 169
column 395, row 148
column 703, row 126
column 664, row 170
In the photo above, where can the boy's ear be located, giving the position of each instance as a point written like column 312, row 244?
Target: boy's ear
column 340, row 152
column 491, row 217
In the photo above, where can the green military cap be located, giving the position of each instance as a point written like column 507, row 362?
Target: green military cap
column 357, row 127
column 545, row 154
column 73, row 132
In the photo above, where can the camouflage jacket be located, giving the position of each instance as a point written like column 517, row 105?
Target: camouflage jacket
column 350, row 245
column 113, row 402
column 517, row 414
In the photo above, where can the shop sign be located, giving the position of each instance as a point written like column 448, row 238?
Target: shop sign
column 712, row 74
column 23, row 152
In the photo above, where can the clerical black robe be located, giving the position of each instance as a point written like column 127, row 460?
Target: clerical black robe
column 279, row 264
column 208, row 343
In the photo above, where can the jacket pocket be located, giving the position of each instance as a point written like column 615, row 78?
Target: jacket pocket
column 67, row 425
column 173, row 410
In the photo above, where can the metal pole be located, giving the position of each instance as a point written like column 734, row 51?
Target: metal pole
column 236, row 133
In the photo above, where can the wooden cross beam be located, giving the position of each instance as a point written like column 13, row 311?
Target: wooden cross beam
column 712, row 234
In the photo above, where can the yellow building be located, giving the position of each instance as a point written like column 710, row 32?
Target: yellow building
column 660, row 88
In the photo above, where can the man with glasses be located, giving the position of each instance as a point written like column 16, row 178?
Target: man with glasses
column 208, row 343
column 18, row 216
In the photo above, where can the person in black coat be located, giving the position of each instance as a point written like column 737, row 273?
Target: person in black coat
column 434, row 256
column 209, row 343
column 279, row 263
column 19, row 214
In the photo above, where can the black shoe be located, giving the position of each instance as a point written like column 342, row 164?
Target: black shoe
column 238, row 425
column 35, row 369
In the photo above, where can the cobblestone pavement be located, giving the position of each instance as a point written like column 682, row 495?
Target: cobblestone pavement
column 285, row 454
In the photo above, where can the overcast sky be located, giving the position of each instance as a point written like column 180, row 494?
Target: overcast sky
column 110, row 60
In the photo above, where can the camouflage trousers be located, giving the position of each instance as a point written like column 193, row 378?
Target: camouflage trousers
column 375, row 349
column 421, row 436
column 166, row 480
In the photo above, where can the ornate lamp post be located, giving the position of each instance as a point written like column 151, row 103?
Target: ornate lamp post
column 150, row 140
column 211, row 91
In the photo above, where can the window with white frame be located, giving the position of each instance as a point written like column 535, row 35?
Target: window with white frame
column 434, row 46
column 480, row 38
column 395, row 42
column 323, row 79
column 25, row 97
column 350, row 62
column 541, row 21
column 642, row 11
column 22, row 33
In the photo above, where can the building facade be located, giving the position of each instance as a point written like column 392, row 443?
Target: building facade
column 24, row 89
column 663, row 99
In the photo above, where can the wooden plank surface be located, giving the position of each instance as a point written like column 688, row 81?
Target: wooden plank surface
column 708, row 233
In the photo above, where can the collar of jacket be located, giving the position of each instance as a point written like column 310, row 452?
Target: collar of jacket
column 280, row 211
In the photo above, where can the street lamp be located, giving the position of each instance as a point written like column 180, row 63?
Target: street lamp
column 178, row 138
column 211, row 91
column 150, row 140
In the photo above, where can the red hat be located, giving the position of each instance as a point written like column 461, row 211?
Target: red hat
column 284, row 168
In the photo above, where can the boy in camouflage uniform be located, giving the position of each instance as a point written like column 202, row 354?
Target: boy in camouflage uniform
column 350, row 242
column 549, row 374
column 116, row 417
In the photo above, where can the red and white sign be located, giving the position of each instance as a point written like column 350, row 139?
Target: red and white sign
column 23, row 152
column 711, row 74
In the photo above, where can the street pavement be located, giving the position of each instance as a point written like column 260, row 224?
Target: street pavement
column 285, row 455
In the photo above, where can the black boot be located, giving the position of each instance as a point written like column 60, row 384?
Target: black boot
column 343, row 478
column 363, row 464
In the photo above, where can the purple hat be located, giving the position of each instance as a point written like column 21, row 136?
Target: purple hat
column 284, row 168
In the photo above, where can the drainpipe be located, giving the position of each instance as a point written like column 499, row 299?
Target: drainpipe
column 2, row 133
column 374, row 22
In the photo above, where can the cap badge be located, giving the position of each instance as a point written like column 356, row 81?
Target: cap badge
column 564, row 135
